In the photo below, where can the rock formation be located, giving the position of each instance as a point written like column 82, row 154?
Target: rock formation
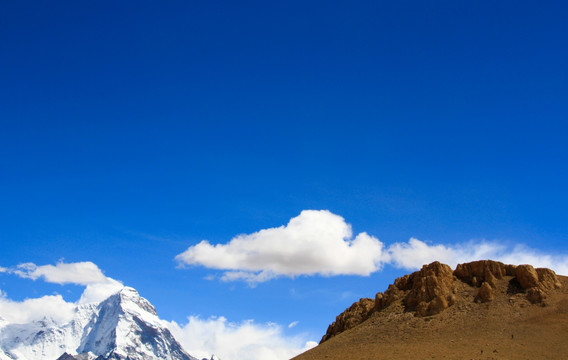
column 66, row 356
column 485, row 293
column 477, row 272
column 432, row 289
column 536, row 282
column 353, row 316
column 427, row 291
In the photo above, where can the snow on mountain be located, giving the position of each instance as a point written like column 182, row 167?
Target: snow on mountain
column 124, row 326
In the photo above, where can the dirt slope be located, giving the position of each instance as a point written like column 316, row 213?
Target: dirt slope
column 481, row 310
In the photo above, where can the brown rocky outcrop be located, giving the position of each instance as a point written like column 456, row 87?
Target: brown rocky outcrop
column 485, row 293
column 427, row 291
column 527, row 276
column 548, row 279
column 536, row 282
column 433, row 289
column 477, row 272
column 351, row 317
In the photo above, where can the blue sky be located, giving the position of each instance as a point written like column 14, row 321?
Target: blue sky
column 132, row 132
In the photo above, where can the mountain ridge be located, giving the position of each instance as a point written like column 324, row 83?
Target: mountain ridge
column 123, row 326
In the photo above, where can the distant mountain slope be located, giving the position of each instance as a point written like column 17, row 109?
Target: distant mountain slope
column 124, row 326
column 481, row 310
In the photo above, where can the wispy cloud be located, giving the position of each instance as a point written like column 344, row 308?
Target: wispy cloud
column 415, row 253
column 322, row 243
column 244, row 340
column 292, row 324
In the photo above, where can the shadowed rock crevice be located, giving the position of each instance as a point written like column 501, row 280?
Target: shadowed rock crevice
column 433, row 289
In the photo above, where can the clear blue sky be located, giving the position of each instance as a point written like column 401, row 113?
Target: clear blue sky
column 131, row 131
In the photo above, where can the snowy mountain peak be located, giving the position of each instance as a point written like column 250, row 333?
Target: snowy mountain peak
column 129, row 293
column 124, row 326
column 132, row 301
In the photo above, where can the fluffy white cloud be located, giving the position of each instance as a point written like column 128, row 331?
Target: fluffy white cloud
column 51, row 306
column 97, row 288
column 81, row 273
column 322, row 243
column 97, row 292
column 315, row 242
column 232, row 341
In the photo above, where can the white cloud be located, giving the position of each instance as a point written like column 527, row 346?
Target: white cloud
column 97, row 288
column 81, row 273
column 524, row 255
column 322, row 243
column 97, row 292
column 415, row 253
column 233, row 341
column 245, row 340
column 292, row 324
column 51, row 306
column 314, row 242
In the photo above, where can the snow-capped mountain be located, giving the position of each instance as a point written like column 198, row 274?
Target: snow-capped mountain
column 124, row 326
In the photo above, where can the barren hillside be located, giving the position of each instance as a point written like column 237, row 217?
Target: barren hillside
column 480, row 310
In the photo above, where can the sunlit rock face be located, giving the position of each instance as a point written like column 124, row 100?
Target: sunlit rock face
column 433, row 289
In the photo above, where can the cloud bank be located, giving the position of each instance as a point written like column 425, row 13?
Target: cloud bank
column 322, row 243
column 97, row 288
column 21, row 312
column 245, row 340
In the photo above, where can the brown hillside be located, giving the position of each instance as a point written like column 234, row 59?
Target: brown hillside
column 480, row 310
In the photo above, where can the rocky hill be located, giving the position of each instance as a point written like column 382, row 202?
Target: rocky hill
column 480, row 310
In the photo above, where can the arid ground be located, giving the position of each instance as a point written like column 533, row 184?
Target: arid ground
column 507, row 327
